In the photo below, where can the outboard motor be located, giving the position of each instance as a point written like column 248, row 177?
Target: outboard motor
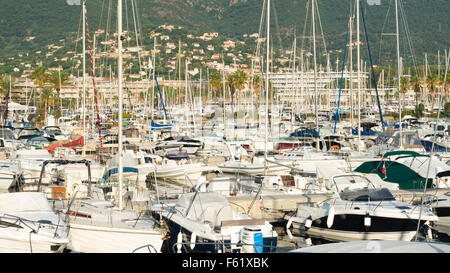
column 252, row 239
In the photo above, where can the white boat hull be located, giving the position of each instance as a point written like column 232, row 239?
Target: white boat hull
column 5, row 183
column 18, row 241
column 97, row 239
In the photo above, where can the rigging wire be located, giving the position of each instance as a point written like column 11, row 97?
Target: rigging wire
column 95, row 89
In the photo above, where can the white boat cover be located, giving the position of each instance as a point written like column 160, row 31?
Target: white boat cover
column 326, row 170
column 23, row 201
column 420, row 165
column 207, row 206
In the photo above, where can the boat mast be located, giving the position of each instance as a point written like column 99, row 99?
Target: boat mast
column 315, row 71
column 359, row 74
column 153, row 76
column 398, row 76
column 119, row 72
column 267, row 87
column 84, row 80
column 294, row 77
column 351, row 64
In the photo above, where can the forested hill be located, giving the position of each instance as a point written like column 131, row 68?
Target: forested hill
column 50, row 21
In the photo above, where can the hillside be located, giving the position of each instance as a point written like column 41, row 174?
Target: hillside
column 27, row 28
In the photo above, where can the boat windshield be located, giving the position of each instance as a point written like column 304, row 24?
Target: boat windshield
column 6, row 134
column 368, row 195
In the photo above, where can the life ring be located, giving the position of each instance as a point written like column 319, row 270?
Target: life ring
column 334, row 147
column 75, row 186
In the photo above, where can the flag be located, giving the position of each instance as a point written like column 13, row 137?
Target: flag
column 383, row 170
column 261, row 200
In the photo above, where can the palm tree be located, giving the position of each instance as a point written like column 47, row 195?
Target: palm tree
column 47, row 100
column 415, row 81
column 231, row 83
column 236, row 82
column 4, row 87
column 57, row 80
column 447, row 85
column 431, row 81
column 241, row 79
column 256, row 85
column 404, row 85
column 215, row 82
column 40, row 78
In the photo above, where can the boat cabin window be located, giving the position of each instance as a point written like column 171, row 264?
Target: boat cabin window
column 412, row 139
column 368, row 195
column 148, row 159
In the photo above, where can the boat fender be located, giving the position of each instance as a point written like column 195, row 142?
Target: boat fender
column 308, row 222
column 289, row 223
column 335, row 147
column 429, row 233
column 193, row 239
column 330, row 218
column 367, row 221
column 179, row 241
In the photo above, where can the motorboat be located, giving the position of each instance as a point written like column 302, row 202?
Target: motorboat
column 54, row 132
column 179, row 170
column 28, row 224
column 362, row 214
column 191, row 146
column 97, row 226
column 206, row 222
column 407, row 168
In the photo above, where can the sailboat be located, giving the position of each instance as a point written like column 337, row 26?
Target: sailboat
column 105, row 226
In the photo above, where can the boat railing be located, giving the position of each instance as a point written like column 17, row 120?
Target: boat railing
column 19, row 222
column 222, row 247
column 239, row 206
column 149, row 248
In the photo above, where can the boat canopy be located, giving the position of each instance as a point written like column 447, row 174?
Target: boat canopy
column 23, row 201
column 207, row 206
column 410, row 153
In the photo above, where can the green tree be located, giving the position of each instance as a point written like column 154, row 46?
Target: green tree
column 415, row 82
column 4, row 87
column 432, row 81
column 57, row 79
column 39, row 77
column 419, row 110
column 404, row 85
column 236, row 82
column 47, row 100
column 447, row 109
column 215, row 82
